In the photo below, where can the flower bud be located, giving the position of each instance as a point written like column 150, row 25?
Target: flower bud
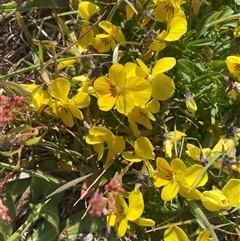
column 190, row 103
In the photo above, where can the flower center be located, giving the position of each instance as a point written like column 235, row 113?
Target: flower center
column 237, row 67
column 170, row 175
column 169, row 8
column 115, row 90
column 105, row 41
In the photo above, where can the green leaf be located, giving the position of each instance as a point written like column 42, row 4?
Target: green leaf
column 49, row 229
column 202, row 28
column 187, row 67
column 45, row 231
column 227, row 11
column 33, row 141
column 41, row 188
column 8, row 153
column 43, row 4
column 68, row 185
column 202, row 219
column 200, row 43
column 237, row 2
column 17, row 187
column 75, row 225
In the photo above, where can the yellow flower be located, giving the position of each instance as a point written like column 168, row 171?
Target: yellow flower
column 62, row 106
column 170, row 138
column 176, row 27
column 143, row 149
column 120, row 91
column 39, row 97
column 197, row 154
column 228, row 144
column 232, row 191
column 177, row 234
column 125, row 213
column 177, row 178
column 233, row 64
column 88, row 37
column 103, row 42
column 87, row 9
column 190, row 103
column 142, row 115
column 98, row 136
column 162, row 85
column 166, row 9
column 216, row 200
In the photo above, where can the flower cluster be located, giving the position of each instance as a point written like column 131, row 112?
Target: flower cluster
column 7, row 107
column 4, row 212
column 147, row 80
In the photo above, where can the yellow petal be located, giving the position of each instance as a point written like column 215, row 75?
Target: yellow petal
column 190, row 103
column 40, row 98
column 81, row 100
column 129, row 12
column 122, row 228
column 232, row 191
column 170, row 191
column 165, row 173
column 59, row 89
column 163, row 65
column 164, row 11
column 136, row 205
column 103, row 42
column 93, row 140
column 233, row 64
column 111, row 219
column 162, row 87
column 141, row 116
column 87, row 9
column 215, row 200
column 195, row 152
column 140, row 88
column 178, row 165
column 118, row 145
column 118, row 75
column 189, row 193
column 177, row 27
column 153, row 106
column 30, row 87
column 66, row 117
column 125, row 102
column 168, row 145
column 175, row 234
column 133, row 69
column 204, row 236
column 76, row 112
column 87, row 35
column 65, row 63
column 99, row 131
column 143, row 66
column 228, row 144
column 99, row 148
column 102, row 86
column 144, row 148
column 131, row 156
column 144, row 222
column 192, row 173
column 114, row 31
